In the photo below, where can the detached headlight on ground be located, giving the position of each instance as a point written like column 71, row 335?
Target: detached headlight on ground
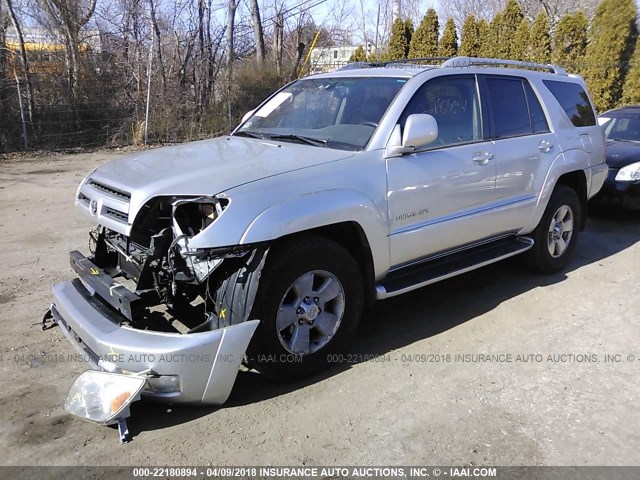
column 630, row 173
column 104, row 398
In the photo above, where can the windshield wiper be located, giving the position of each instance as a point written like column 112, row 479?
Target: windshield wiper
column 317, row 142
column 624, row 140
column 246, row 133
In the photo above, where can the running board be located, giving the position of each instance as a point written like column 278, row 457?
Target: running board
column 425, row 273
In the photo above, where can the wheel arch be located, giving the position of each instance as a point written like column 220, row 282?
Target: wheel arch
column 352, row 237
column 577, row 181
column 571, row 169
column 346, row 216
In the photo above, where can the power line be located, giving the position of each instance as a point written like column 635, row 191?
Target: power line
column 290, row 10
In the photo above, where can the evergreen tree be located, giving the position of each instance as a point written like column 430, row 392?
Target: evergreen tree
column 398, row 43
column 612, row 36
column 490, row 46
column 570, row 41
column 520, row 46
column 511, row 19
column 501, row 31
column 470, row 38
column 408, row 33
column 424, row 42
column 540, row 40
column 631, row 89
column 449, row 42
column 484, row 39
column 359, row 55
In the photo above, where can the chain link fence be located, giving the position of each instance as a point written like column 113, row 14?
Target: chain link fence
column 109, row 110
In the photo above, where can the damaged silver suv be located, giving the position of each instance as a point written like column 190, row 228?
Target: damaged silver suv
column 341, row 188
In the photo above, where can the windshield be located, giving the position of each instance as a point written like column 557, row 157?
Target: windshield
column 330, row 112
column 625, row 128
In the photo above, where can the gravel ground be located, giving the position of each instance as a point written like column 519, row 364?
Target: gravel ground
column 553, row 398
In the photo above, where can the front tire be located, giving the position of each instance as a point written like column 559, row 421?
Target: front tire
column 309, row 304
column 557, row 233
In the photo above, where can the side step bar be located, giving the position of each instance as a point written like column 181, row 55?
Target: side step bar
column 428, row 272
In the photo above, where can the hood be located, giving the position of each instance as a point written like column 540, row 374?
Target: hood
column 207, row 167
column 620, row 154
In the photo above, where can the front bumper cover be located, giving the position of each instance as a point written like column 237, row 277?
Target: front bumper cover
column 615, row 193
column 206, row 363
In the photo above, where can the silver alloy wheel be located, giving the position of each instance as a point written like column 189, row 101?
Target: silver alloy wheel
column 560, row 231
column 310, row 312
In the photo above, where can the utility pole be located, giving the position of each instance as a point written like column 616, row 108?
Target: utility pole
column 377, row 31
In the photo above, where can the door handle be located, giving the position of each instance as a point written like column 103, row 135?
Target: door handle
column 545, row 146
column 482, row 158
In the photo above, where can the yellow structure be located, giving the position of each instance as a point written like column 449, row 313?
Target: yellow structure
column 44, row 52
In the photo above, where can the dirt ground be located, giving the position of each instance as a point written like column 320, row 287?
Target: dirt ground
column 569, row 406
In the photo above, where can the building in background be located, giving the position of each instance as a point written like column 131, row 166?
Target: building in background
column 325, row 59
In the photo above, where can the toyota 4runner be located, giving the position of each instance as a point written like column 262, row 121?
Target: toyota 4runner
column 342, row 188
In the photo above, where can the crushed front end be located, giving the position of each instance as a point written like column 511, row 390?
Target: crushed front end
column 147, row 304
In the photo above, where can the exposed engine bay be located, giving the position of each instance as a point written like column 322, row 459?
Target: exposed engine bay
column 162, row 283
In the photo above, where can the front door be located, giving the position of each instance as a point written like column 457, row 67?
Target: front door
column 440, row 198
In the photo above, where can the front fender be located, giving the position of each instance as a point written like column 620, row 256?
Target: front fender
column 567, row 162
column 320, row 209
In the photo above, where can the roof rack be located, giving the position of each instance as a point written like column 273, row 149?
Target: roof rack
column 405, row 62
column 456, row 62
column 478, row 62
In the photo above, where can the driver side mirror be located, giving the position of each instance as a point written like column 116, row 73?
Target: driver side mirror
column 420, row 130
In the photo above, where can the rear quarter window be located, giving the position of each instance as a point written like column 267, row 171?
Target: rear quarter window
column 574, row 101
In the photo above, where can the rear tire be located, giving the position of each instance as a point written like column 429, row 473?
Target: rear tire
column 557, row 233
column 309, row 304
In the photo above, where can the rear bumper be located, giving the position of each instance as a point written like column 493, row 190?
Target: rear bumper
column 618, row 194
column 205, row 363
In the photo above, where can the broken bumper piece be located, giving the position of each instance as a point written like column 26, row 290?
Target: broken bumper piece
column 179, row 368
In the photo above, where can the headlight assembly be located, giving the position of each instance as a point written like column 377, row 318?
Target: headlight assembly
column 190, row 217
column 630, row 173
column 194, row 215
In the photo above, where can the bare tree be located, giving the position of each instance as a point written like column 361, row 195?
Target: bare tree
column 158, row 42
column 278, row 40
column 459, row 10
column 68, row 17
column 257, row 32
column 4, row 22
column 556, row 8
column 229, row 33
column 24, row 60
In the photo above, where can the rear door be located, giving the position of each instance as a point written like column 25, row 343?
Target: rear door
column 524, row 146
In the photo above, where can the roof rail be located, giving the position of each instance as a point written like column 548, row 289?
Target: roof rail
column 409, row 62
column 456, row 62
column 475, row 62
column 420, row 61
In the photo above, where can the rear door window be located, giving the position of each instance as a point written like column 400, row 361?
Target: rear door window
column 574, row 101
column 507, row 107
column 512, row 107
